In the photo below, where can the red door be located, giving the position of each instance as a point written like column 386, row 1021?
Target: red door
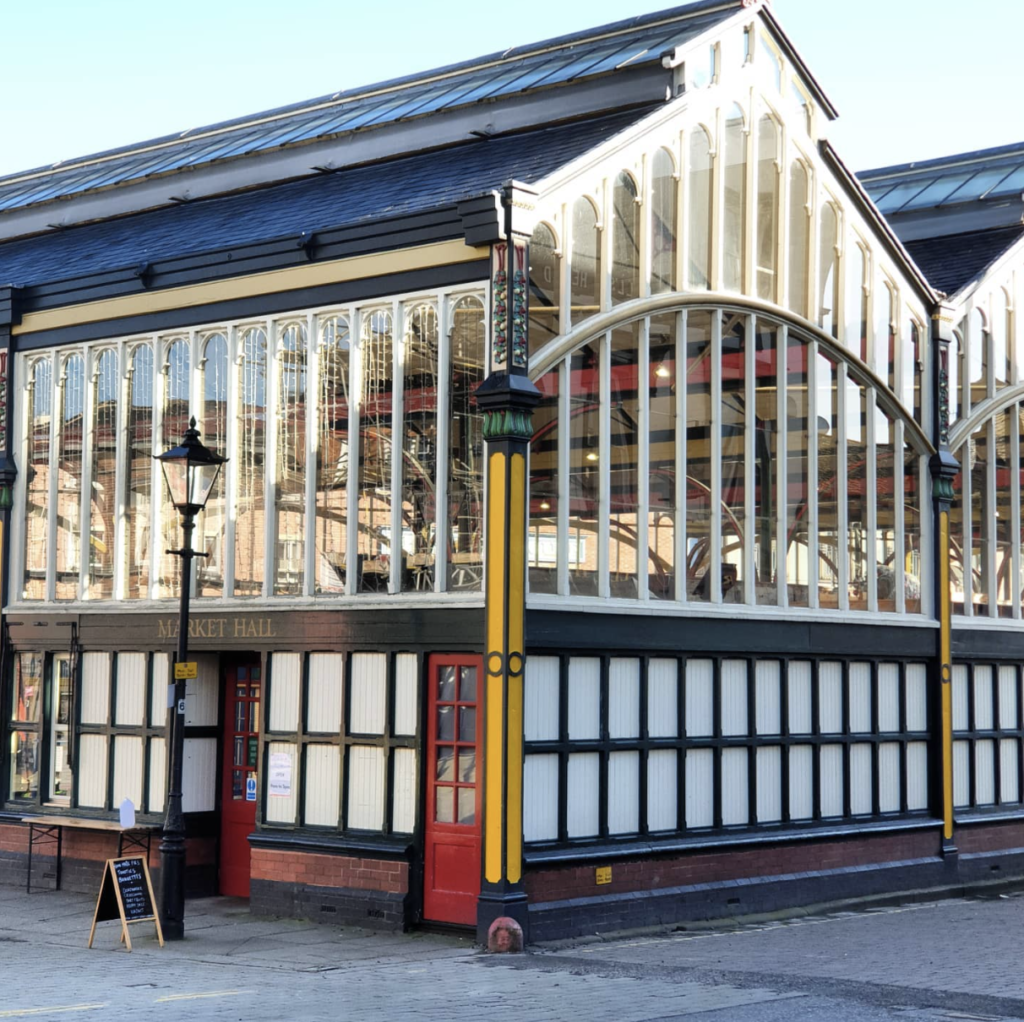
column 238, row 801
column 453, row 830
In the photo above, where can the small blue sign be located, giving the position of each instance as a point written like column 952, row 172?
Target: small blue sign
column 250, row 788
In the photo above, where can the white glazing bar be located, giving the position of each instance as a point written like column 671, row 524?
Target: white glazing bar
column 781, row 467
column 643, row 474
column 680, row 498
column 398, row 317
column 871, row 484
column 1014, row 421
column 355, row 468
column 604, row 471
column 715, row 553
column 443, row 406
column 749, row 458
column 159, row 498
column 842, row 512
column 231, row 468
column 966, row 498
column 562, row 525
column 989, row 507
column 313, row 413
column 90, row 370
column 899, row 534
column 812, row 466
column 272, row 412
column 121, row 458
column 56, row 390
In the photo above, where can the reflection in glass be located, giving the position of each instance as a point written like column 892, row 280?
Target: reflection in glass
column 290, row 458
column 799, row 240
column 37, row 487
column 176, row 413
column 698, row 456
column 661, row 437
column 446, row 684
column 977, row 356
column 624, row 479
column 252, row 422
column 545, row 288
column 467, row 724
column 957, row 540
column 467, row 684
column 542, row 540
column 912, row 534
column 467, row 766
column 767, row 208
column 139, row 477
column 446, row 723
column 444, row 805
column 1000, row 349
column 828, row 271
column 797, row 467
column 830, row 548
column 625, row 240
column 103, row 511
column 586, row 261
column 698, row 274
column 734, row 456
column 887, row 471
column 734, row 224
column 663, row 222
column 70, row 444
column 467, row 805
column 767, row 465
column 445, row 763
column 24, row 766
column 584, row 469
column 857, row 495
column 213, row 424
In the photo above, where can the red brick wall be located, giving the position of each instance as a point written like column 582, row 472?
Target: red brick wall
column 311, row 869
column 989, row 837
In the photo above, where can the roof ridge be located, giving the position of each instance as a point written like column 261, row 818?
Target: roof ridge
column 1014, row 149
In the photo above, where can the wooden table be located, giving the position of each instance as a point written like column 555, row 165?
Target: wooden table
column 51, row 828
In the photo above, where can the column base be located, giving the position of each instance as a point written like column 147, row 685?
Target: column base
column 950, row 855
column 510, row 901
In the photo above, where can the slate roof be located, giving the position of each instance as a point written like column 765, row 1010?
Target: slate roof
column 402, row 186
column 555, row 62
column 952, row 261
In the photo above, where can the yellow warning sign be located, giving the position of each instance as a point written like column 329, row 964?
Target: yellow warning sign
column 187, row 670
column 603, row 874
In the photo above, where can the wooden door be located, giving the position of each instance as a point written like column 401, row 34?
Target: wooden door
column 454, row 791
column 241, row 755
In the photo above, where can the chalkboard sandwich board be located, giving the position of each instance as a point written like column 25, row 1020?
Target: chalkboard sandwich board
column 126, row 893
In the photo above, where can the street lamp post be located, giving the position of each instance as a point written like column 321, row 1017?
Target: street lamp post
column 190, row 470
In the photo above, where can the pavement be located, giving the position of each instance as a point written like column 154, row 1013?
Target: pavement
column 917, row 962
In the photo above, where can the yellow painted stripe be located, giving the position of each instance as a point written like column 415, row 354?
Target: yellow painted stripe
column 516, row 607
column 331, row 272
column 946, row 659
column 196, row 997
column 22, row 1012
column 495, row 644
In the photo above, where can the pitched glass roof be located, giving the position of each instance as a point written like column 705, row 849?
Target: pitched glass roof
column 554, row 62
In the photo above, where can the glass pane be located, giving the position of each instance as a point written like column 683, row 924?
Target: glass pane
column 796, row 474
column 40, row 402
column 467, row 766
column 622, row 559
column 887, row 471
column 735, row 219
column 699, row 210
column 446, row 684
column 767, row 209
column 70, row 445
column 237, row 785
column 254, row 673
column 467, row 805
column 467, row 685
column 446, row 723
column 584, row 469
column 829, row 545
column 254, row 717
column 766, row 461
column 139, row 477
column 912, row 538
column 467, row 724
column 981, row 523
column 663, row 223
column 545, row 288
column 661, row 480
column 213, row 423
column 799, row 241
column 239, row 759
column 542, row 540
column 24, row 766
column 176, row 412
column 290, row 487
column 828, row 271
column 250, row 463
column 61, row 777
column 444, row 805
column 586, row 261
column 240, row 717
column 28, row 687
column 445, row 763
column 857, row 496
column 698, row 456
column 625, row 240
column 240, row 691
column 734, row 459
column 103, row 512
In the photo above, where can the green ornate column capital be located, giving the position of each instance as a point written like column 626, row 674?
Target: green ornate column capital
column 507, row 401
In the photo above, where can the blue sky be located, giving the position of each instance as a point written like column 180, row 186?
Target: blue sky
column 912, row 79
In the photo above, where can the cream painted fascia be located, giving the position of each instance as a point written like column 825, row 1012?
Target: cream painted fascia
column 420, row 257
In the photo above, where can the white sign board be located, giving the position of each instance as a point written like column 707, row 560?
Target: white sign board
column 279, row 783
column 127, row 814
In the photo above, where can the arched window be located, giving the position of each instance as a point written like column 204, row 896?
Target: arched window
column 977, row 355
column 70, row 444
column 828, row 270
column 37, row 485
column 586, row 261
column 332, row 456
column 1000, row 348
column 734, row 230
column 290, row 457
column 886, row 324
column 664, row 211
column 625, row 240
column 213, row 422
column 545, row 287
column 698, row 210
column 250, row 464
column 767, row 209
column 799, row 237
column 139, row 477
column 176, row 413
column 103, row 509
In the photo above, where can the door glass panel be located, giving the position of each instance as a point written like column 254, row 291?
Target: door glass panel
column 254, row 674
column 238, row 785
column 446, row 723
column 467, row 766
column 467, row 724
column 240, row 691
column 446, row 685
column 254, row 716
column 467, row 688
column 444, row 809
column 467, row 805
column 239, row 751
column 240, row 717
column 445, row 764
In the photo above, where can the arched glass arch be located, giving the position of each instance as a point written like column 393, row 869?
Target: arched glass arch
column 545, row 287
column 625, row 240
column 767, row 208
column 585, row 299
column 828, row 270
column 250, row 501
column 213, row 424
column 103, row 503
column 139, row 476
column 734, row 224
column 799, row 238
column 698, row 210
column 664, row 212
column 70, row 455
column 37, row 483
column 290, row 461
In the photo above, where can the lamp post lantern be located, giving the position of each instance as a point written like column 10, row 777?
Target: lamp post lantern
column 190, row 470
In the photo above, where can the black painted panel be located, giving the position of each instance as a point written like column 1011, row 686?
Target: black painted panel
column 975, row 644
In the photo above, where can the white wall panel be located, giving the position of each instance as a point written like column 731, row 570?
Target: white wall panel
column 128, row 771
column 285, row 685
column 769, row 784
column 861, row 778
column 917, row 775
column 95, row 690
column 623, row 697
column 959, row 697
column 801, row 782
column 735, row 787
column 799, row 682
column 700, row 791
column 365, row 787
column 581, row 794
column 830, row 697
column 734, row 697
column 984, row 772
column 540, row 809
column 199, row 775
column 888, row 697
column 159, row 695
column 1007, row 697
column 403, row 811
column 889, row 794
column 984, row 717
column 368, row 686
column 407, row 709
column 662, row 698
column 860, row 697
column 325, row 693
column 92, row 770
column 157, row 775
column 623, row 792
column 662, row 789
column 540, row 698
column 961, row 773
column 202, row 693
column 321, row 784
column 917, row 697
column 1009, row 788
column 584, row 697
column 700, row 708
column 831, row 767
column 768, row 696
column 130, row 706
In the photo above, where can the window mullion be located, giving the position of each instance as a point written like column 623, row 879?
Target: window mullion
column 313, row 412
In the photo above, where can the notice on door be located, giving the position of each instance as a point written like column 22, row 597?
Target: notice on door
column 279, row 783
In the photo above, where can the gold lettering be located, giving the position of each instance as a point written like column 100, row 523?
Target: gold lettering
column 220, row 633
column 239, row 628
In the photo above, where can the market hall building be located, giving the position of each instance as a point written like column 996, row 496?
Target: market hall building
column 622, row 520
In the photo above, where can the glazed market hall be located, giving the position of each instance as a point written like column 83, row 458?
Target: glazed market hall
column 622, row 515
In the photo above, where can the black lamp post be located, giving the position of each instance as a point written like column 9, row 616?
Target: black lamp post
column 190, row 470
